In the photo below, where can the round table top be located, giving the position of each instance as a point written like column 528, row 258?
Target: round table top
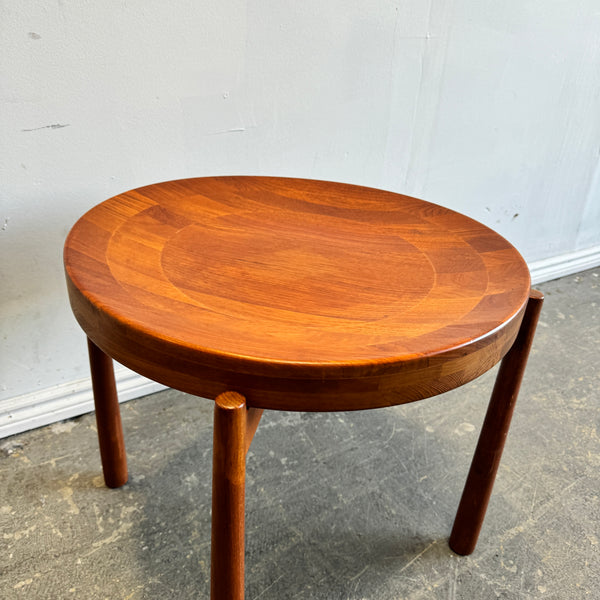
column 290, row 279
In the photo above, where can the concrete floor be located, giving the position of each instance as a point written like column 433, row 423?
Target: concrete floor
column 339, row 506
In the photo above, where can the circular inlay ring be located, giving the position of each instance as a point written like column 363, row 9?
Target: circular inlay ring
column 250, row 282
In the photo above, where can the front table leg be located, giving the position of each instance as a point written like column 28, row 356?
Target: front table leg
column 108, row 418
column 478, row 488
column 234, row 427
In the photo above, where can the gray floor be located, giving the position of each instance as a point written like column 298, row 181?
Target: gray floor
column 339, row 506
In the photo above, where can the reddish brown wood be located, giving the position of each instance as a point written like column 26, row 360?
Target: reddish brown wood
column 228, row 492
column 301, row 295
column 252, row 420
column 478, row 488
column 108, row 418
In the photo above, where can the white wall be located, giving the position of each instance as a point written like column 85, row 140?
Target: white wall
column 491, row 108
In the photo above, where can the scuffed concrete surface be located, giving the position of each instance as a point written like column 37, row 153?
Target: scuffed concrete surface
column 339, row 506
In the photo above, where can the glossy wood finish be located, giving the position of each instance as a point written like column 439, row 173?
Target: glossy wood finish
column 478, row 488
column 301, row 295
column 228, row 495
column 108, row 418
column 296, row 295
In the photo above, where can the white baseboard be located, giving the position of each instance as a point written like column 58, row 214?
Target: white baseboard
column 65, row 401
column 73, row 399
column 564, row 264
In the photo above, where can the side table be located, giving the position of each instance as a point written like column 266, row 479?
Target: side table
column 290, row 294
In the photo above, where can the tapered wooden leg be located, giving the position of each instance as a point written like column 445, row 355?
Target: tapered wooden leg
column 233, row 431
column 478, row 488
column 108, row 418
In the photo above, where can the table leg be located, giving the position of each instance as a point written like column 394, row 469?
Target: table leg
column 478, row 488
column 108, row 418
column 234, row 428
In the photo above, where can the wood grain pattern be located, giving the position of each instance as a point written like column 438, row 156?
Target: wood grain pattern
column 299, row 294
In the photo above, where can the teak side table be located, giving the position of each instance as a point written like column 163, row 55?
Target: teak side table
column 291, row 294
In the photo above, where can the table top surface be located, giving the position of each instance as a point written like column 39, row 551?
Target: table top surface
column 275, row 273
